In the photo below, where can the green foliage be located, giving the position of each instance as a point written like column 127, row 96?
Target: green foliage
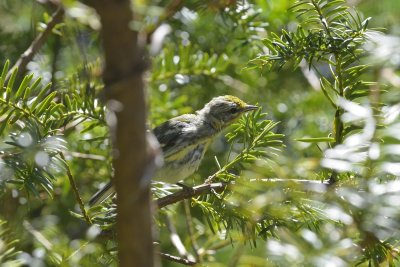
column 254, row 134
column 328, row 29
column 36, row 125
column 35, row 120
column 258, row 143
column 186, row 63
column 255, row 142
column 178, row 69
column 333, row 36
column 329, row 34
column 316, row 68
column 8, row 251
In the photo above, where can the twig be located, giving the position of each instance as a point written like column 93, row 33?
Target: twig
column 54, row 4
column 177, row 259
column 176, row 240
column 310, row 75
column 187, row 193
column 170, row 10
column 206, row 188
column 86, row 156
column 38, row 235
column 308, row 184
column 189, row 223
column 27, row 56
column 76, row 252
column 75, row 188
column 56, row 54
column 236, row 255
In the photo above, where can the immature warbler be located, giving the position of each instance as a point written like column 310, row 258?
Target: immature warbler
column 184, row 140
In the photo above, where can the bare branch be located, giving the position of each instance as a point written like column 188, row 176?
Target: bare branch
column 86, row 156
column 187, row 193
column 176, row 240
column 191, row 231
column 38, row 235
column 206, row 188
column 169, row 11
column 177, row 259
column 27, row 56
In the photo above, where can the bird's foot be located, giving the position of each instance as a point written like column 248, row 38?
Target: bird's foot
column 209, row 179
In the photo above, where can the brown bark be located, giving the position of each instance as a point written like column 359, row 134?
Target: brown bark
column 207, row 188
column 125, row 91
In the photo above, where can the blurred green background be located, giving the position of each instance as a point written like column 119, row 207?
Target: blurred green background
column 201, row 52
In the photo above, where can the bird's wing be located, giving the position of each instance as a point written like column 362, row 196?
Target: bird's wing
column 102, row 194
column 177, row 134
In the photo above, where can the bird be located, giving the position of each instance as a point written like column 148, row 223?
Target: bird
column 184, row 140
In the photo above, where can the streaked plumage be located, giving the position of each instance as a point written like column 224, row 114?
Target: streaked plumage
column 184, row 139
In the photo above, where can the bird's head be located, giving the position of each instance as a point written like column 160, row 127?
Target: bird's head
column 221, row 111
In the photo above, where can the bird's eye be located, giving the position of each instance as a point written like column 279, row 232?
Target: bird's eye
column 233, row 110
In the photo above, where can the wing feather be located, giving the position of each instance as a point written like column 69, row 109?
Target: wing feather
column 177, row 134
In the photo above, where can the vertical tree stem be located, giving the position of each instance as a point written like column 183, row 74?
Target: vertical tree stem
column 339, row 127
column 189, row 224
column 338, row 123
column 124, row 85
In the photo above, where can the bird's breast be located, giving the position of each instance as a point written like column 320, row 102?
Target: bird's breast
column 182, row 164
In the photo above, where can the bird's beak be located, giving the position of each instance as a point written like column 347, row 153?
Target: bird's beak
column 249, row 108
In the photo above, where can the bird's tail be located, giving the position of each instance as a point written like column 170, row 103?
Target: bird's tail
column 102, row 194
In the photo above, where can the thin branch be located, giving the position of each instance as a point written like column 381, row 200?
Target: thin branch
column 38, row 235
column 54, row 4
column 187, row 193
column 310, row 75
column 176, row 240
column 27, row 56
column 75, row 189
column 86, row 156
column 54, row 61
column 191, row 232
column 206, row 188
column 170, row 10
column 177, row 259
column 307, row 184
column 236, row 255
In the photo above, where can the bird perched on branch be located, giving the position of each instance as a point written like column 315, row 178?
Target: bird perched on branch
column 184, row 140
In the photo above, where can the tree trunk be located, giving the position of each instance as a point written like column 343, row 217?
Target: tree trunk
column 124, row 87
